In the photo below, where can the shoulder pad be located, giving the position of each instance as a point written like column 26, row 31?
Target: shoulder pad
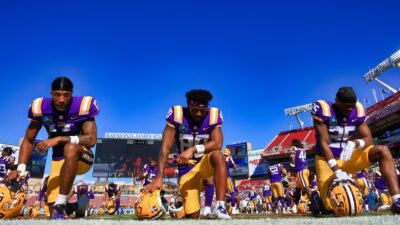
column 84, row 108
column 215, row 116
column 360, row 110
column 175, row 116
column 36, row 107
column 321, row 110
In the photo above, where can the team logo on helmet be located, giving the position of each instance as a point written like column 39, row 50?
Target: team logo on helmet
column 345, row 198
column 149, row 206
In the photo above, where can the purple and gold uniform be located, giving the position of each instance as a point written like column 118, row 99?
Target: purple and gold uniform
column 5, row 163
column 43, row 196
column 267, row 194
column 64, row 123
column 382, row 189
column 83, row 190
column 230, row 184
column 301, row 168
column 149, row 173
column 113, row 192
column 188, row 134
column 276, row 180
column 84, row 193
column 362, row 182
column 230, row 164
column 341, row 130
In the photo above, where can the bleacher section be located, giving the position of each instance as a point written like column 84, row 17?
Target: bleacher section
column 282, row 142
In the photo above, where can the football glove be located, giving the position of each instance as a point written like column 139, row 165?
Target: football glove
column 347, row 151
column 342, row 176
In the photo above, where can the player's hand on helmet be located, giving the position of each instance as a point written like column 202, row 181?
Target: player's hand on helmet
column 156, row 184
column 12, row 174
column 46, row 144
column 347, row 151
column 342, row 176
column 186, row 156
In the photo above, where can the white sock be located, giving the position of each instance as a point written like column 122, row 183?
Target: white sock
column 61, row 199
column 395, row 197
column 221, row 203
column 207, row 210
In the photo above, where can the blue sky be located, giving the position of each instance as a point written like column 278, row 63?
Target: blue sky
column 138, row 58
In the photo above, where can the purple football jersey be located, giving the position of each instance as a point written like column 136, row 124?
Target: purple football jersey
column 150, row 173
column 63, row 123
column 340, row 129
column 380, row 183
column 267, row 190
column 82, row 190
column 5, row 163
column 190, row 133
column 361, row 174
column 229, row 164
column 252, row 195
column 275, row 173
column 112, row 192
column 300, row 160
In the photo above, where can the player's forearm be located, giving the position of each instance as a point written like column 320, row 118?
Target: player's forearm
column 25, row 151
column 212, row 146
column 84, row 140
column 162, row 160
column 329, row 157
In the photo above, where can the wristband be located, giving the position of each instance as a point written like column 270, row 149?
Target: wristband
column 332, row 163
column 21, row 168
column 200, row 149
column 361, row 143
column 74, row 139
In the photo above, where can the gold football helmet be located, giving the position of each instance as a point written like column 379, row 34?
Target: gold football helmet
column 345, row 198
column 227, row 152
column 302, row 207
column 149, row 206
column 12, row 201
column 100, row 211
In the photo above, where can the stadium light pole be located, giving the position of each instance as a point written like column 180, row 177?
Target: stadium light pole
column 294, row 111
column 392, row 61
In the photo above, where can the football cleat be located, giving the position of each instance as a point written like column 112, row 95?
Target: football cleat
column 221, row 213
column 59, row 212
column 395, row 208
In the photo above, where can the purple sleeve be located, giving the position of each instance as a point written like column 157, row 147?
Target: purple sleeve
column 32, row 117
column 317, row 112
column 42, row 191
column 91, row 194
column 94, row 109
column 171, row 117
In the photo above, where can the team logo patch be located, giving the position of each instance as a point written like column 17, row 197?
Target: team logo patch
column 48, row 120
column 183, row 129
column 5, row 206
